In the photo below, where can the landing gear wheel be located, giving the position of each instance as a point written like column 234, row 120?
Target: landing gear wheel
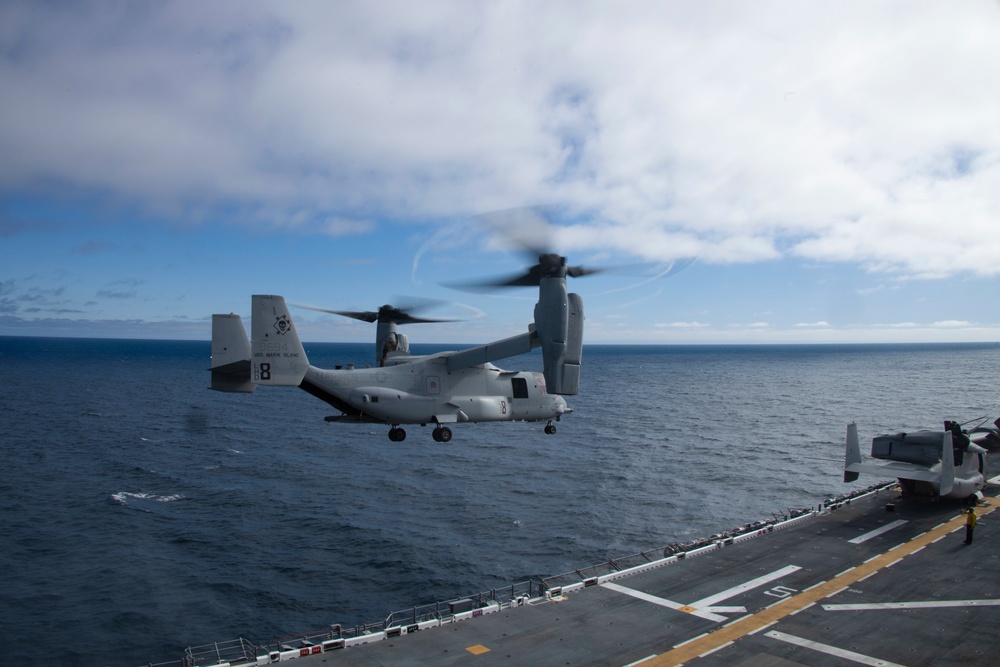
column 397, row 434
column 550, row 428
column 442, row 434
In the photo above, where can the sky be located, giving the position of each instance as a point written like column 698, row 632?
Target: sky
column 749, row 172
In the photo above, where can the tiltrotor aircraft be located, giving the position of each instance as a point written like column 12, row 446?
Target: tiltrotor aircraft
column 439, row 389
column 933, row 464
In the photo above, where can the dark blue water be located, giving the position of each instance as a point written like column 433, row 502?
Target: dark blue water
column 142, row 513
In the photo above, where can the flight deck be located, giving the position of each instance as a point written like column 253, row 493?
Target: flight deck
column 875, row 581
column 869, row 578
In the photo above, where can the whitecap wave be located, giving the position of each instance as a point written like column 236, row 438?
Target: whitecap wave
column 136, row 500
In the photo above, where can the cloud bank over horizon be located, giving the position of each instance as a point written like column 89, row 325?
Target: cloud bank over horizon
column 852, row 134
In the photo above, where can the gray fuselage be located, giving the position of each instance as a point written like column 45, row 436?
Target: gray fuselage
column 421, row 390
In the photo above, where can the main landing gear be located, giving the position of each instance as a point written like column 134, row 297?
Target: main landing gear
column 441, row 434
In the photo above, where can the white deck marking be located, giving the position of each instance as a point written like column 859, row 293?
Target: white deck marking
column 831, row 650
column 663, row 602
column 742, row 588
column 706, row 608
column 878, row 531
column 931, row 604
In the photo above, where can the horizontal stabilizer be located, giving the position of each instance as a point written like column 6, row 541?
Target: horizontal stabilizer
column 899, row 469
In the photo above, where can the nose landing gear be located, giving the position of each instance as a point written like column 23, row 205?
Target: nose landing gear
column 550, row 428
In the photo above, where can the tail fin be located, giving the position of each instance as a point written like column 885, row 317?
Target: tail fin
column 278, row 358
column 230, row 355
column 947, row 465
column 852, row 453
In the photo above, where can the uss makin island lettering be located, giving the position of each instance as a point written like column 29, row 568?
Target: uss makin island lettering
column 262, row 369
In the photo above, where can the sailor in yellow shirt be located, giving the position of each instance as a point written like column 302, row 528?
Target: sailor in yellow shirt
column 970, row 524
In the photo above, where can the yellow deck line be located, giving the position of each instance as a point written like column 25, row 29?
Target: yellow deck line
column 745, row 626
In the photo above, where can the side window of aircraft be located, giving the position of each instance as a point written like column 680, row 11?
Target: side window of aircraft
column 520, row 386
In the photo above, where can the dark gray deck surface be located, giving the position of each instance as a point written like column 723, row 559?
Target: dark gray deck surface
column 772, row 601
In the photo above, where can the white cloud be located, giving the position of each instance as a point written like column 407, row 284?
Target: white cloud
column 344, row 227
column 681, row 325
column 849, row 132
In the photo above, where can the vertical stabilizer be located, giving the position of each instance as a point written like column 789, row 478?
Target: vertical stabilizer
column 230, row 355
column 852, row 453
column 947, row 465
column 277, row 355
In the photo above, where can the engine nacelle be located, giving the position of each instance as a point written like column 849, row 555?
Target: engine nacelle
column 559, row 326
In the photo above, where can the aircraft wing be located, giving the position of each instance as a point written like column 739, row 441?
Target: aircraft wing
column 501, row 349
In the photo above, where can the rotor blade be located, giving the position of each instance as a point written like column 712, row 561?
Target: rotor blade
column 579, row 271
column 549, row 265
column 386, row 313
column 399, row 316
column 531, row 230
column 527, row 227
column 364, row 316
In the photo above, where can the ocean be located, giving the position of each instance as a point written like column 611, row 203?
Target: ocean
column 142, row 513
